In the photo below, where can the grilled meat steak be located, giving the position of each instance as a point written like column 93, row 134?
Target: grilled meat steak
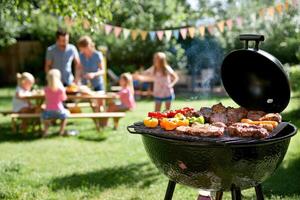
column 235, row 114
column 218, row 108
column 218, row 117
column 255, row 115
column 205, row 130
column 271, row 117
column 247, row 130
column 205, row 112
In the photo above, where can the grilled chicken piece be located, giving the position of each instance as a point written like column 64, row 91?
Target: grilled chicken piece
column 271, row 117
column 255, row 115
column 247, row 130
column 218, row 108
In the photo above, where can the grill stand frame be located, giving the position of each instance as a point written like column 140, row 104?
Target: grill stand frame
column 236, row 193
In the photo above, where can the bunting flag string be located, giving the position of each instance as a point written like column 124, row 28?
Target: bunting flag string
column 168, row 34
column 144, row 35
column 191, row 31
column 160, row 34
column 117, row 31
column 183, row 33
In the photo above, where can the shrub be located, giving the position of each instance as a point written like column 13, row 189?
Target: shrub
column 295, row 78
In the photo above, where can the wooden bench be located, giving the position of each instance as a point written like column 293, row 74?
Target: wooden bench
column 5, row 113
column 95, row 116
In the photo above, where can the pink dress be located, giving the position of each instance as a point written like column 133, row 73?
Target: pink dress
column 54, row 99
column 127, row 98
column 161, row 83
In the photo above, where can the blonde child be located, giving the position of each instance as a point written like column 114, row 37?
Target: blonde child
column 126, row 95
column 25, row 82
column 54, row 95
column 164, row 78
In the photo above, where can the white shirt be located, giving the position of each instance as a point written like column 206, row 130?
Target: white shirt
column 18, row 103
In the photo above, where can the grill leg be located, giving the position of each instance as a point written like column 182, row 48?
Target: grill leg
column 219, row 195
column 259, row 192
column 170, row 190
column 236, row 193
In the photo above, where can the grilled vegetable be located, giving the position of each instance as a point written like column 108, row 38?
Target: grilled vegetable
column 150, row 122
column 183, row 122
column 157, row 115
column 169, row 123
column 197, row 119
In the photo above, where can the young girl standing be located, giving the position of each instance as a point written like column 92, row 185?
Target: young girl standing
column 25, row 83
column 164, row 78
column 54, row 95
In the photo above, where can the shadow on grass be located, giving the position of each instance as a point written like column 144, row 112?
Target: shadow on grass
column 285, row 182
column 6, row 134
column 93, row 137
column 140, row 174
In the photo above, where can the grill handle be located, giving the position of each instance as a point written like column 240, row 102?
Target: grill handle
column 131, row 130
column 252, row 37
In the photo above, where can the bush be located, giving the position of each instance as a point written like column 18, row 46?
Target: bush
column 295, row 78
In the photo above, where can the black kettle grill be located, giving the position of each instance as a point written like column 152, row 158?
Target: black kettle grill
column 255, row 80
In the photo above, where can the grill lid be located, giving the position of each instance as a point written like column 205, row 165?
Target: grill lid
column 255, row 79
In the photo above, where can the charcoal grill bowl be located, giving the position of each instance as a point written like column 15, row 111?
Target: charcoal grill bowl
column 218, row 167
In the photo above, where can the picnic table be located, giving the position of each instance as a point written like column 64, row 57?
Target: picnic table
column 92, row 98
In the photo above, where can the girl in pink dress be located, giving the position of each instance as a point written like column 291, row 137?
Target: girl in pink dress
column 163, row 77
column 126, row 95
column 55, row 94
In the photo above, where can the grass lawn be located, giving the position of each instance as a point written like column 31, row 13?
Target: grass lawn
column 110, row 165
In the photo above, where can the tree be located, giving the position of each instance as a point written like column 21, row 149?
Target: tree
column 20, row 13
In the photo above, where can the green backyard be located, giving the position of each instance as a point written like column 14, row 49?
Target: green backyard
column 112, row 164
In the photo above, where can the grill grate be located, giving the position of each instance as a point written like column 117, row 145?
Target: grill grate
column 139, row 128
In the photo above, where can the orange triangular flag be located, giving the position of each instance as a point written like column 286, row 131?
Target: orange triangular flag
column 143, row 34
column 286, row 4
column 279, row 8
column 220, row 25
column 134, row 34
column 191, row 31
column 261, row 12
column 202, row 31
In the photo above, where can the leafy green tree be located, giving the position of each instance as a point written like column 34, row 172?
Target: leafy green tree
column 21, row 13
